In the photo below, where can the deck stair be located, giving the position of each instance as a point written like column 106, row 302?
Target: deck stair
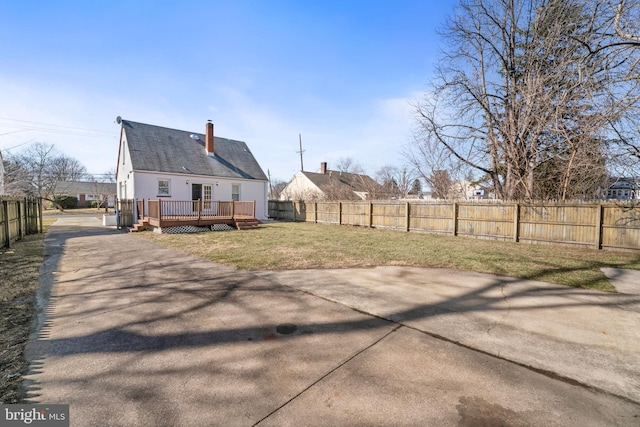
column 246, row 223
column 141, row 225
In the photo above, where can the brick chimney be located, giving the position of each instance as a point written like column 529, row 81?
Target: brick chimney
column 209, row 138
column 323, row 168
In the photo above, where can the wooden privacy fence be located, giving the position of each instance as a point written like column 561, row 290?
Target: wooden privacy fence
column 19, row 217
column 610, row 225
column 125, row 212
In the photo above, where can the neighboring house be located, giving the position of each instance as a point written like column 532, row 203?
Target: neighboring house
column 623, row 189
column 331, row 185
column 88, row 193
column 155, row 162
column 477, row 191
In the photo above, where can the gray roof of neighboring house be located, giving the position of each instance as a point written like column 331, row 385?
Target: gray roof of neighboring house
column 623, row 182
column 85, row 187
column 350, row 181
column 159, row 149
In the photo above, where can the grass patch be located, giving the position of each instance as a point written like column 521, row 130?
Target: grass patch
column 288, row 246
column 19, row 278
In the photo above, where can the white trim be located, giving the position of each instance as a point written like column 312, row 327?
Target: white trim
column 193, row 176
column 160, row 193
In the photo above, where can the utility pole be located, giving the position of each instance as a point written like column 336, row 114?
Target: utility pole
column 300, row 152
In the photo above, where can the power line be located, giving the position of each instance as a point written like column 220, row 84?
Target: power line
column 25, row 125
column 9, row 133
column 52, row 125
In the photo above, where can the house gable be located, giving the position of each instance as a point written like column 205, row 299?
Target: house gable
column 301, row 187
column 332, row 185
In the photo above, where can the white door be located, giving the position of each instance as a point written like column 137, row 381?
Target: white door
column 207, row 196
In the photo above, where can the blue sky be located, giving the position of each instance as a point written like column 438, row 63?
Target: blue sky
column 341, row 73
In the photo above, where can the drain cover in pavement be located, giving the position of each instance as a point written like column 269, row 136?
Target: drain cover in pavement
column 286, row 328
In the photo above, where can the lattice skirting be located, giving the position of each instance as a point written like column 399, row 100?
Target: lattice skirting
column 184, row 229
column 221, row 227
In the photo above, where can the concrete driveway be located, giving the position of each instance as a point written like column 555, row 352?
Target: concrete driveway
column 134, row 334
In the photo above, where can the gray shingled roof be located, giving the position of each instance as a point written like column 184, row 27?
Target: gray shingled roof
column 158, row 149
column 350, row 181
column 84, row 187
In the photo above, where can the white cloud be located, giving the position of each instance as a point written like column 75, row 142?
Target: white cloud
column 73, row 122
column 370, row 133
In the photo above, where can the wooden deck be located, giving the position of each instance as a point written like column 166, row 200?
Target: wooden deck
column 174, row 213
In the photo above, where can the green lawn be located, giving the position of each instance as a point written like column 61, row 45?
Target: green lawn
column 286, row 245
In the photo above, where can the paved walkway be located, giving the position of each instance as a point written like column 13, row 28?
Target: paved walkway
column 135, row 334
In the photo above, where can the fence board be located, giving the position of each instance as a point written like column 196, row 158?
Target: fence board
column 389, row 215
column 491, row 220
column 124, row 211
column 620, row 226
column 568, row 224
column 19, row 217
column 355, row 213
column 612, row 225
column 431, row 217
column 329, row 212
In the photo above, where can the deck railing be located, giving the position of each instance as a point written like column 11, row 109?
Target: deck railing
column 244, row 209
column 140, row 209
column 154, row 209
column 161, row 211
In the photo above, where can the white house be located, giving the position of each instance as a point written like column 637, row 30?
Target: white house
column 331, row 185
column 155, row 162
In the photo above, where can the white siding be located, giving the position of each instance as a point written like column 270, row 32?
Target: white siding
column 146, row 187
column 124, row 178
column 301, row 188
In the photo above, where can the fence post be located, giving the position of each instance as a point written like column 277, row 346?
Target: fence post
column 599, row 219
column 315, row 212
column 293, row 206
column 339, row 213
column 21, row 213
column 39, row 205
column 516, row 222
column 370, row 214
column 407, row 216
column 7, row 237
column 455, row 218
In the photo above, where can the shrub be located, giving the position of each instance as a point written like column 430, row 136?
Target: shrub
column 66, row 202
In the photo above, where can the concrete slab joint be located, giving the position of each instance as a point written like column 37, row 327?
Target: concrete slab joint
column 152, row 336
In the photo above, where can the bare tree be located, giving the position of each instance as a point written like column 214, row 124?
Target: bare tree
column 436, row 165
column 349, row 165
column 396, row 181
column 108, row 176
column 530, row 92
column 275, row 189
column 38, row 170
column 2, row 184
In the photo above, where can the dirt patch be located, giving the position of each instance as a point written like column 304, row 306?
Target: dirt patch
column 19, row 278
